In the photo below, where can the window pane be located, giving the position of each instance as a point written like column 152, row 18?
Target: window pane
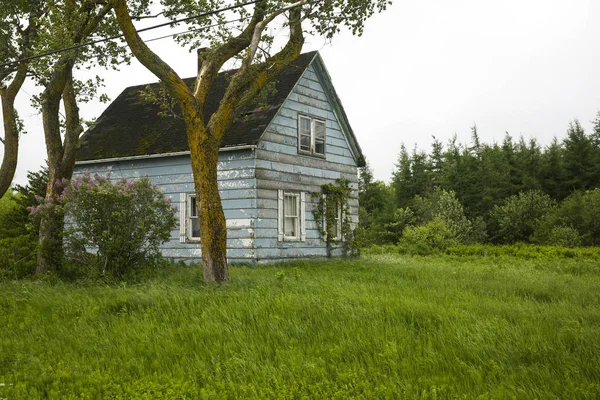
column 319, row 146
column 320, row 130
column 334, row 230
column 193, row 210
column 290, row 206
column 290, row 226
column 305, row 142
column 304, row 126
column 195, row 227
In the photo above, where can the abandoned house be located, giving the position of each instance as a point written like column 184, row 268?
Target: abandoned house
column 273, row 158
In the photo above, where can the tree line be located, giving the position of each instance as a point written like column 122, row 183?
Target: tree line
column 514, row 191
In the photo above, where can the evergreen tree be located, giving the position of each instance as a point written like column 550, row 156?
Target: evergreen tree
column 579, row 158
column 402, row 180
column 436, row 162
column 552, row 173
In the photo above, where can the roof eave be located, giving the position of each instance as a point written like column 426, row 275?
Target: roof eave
column 159, row 155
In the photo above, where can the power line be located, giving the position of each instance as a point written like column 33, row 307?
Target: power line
column 78, row 46
column 191, row 30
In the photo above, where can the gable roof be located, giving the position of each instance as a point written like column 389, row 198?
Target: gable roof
column 132, row 126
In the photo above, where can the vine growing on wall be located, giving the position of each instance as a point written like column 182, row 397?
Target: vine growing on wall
column 333, row 198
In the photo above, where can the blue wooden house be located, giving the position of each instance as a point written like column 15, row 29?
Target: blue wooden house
column 277, row 153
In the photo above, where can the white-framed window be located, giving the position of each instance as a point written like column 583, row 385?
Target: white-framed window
column 311, row 136
column 291, row 225
column 291, row 216
column 189, row 227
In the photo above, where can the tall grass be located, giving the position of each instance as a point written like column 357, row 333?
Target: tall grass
column 376, row 327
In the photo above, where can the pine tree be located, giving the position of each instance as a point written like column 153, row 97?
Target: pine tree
column 579, row 158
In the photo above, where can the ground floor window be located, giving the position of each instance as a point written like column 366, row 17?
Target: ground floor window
column 291, row 222
column 336, row 229
column 189, row 227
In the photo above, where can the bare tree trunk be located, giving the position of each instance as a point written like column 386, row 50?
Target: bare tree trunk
column 211, row 218
column 61, row 162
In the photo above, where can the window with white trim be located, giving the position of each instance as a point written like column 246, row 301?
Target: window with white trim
column 189, row 226
column 311, row 136
column 291, row 216
column 291, row 225
column 193, row 224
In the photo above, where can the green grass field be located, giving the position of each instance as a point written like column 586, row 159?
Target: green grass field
column 376, row 327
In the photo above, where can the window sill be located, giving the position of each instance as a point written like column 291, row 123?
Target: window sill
column 304, row 153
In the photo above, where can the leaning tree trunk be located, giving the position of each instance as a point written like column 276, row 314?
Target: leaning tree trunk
column 11, row 143
column 61, row 162
column 11, row 129
column 211, row 218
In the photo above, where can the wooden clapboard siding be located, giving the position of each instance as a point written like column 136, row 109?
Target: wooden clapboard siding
column 249, row 180
column 279, row 166
column 173, row 175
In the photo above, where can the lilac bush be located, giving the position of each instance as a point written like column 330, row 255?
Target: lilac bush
column 124, row 222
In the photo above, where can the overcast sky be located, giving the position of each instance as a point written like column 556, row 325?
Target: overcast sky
column 430, row 67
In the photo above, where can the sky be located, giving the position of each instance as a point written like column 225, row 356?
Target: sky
column 427, row 68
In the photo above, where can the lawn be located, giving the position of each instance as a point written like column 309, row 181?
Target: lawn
column 375, row 327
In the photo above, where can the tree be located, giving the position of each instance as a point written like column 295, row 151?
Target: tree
column 70, row 23
column 579, row 158
column 257, row 68
column 552, row 172
column 17, row 41
column 402, row 179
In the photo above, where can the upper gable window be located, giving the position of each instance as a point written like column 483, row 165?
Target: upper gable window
column 311, row 136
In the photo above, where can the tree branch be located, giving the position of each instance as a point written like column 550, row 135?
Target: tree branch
column 7, row 97
column 247, row 84
column 153, row 62
column 213, row 63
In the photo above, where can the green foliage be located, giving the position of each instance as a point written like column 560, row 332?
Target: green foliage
column 518, row 215
column 378, row 327
column 402, row 218
column 376, row 205
column 443, row 205
column 124, row 221
column 525, row 251
column 333, row 202
column 564, row 236
column 18, row 232
column 579, row 212
column 430, row 238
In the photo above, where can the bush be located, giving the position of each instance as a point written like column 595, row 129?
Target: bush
column 17, row 257
column 518, row 215
column 402, row 218
column 564, row 236
column 524, row 250
column 576, row 215
column 124, row 222
column 443, row 205
column 433, row 237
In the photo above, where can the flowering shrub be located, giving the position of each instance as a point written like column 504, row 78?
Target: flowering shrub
column 124, row 221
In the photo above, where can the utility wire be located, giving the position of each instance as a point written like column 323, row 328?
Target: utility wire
column 191, row 30
column 78, row 46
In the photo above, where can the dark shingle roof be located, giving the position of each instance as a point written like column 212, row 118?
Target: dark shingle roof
column 131, row 126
